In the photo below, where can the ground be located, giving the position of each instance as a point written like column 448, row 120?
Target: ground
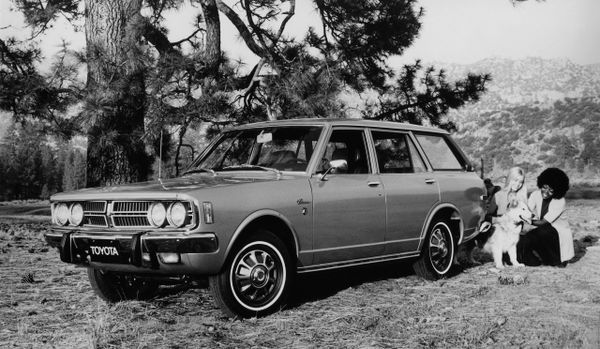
column 47, row 303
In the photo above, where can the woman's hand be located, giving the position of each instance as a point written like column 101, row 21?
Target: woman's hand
column 539, row 222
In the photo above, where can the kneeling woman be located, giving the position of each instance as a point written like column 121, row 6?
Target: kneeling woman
column 551, row 242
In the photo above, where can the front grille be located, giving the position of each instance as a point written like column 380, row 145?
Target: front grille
column 131, row 214
column 131, row 206
column 94, row 206
column 94, row 214
column 131, row 221
column 94, row 221
column 126, row 214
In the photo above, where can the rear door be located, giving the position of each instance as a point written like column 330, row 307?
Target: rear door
column 411, row 190
column 458, row 186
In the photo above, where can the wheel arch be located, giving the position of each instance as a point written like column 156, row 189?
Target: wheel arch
column 272, row 220
column 448, row 213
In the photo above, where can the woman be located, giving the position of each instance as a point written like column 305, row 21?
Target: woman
column 551, row 241
column 514, row 188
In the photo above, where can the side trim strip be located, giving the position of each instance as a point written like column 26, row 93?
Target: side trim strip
column 357, row 262
column 358, row 246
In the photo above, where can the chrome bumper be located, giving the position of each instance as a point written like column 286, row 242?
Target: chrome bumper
column 138, row 250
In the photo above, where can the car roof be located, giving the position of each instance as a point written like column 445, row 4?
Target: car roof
column 341, row 122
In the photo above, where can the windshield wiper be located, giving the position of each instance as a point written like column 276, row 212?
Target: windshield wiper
column 199, row 170
column 252, row 167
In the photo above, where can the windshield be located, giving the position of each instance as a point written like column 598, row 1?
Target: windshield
column 280, row 148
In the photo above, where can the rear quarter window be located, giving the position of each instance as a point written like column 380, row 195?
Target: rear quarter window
column 441, row 154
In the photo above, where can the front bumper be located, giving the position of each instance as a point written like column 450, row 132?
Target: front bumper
column 141, row 252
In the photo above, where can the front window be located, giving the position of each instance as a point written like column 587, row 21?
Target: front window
column 348, row 146
column 281, row 148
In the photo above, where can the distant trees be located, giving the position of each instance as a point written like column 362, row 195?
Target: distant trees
column 565, row 135
column 31, row 167
column 590, row 155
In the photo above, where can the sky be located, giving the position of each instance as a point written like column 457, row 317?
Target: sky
column 453, row 31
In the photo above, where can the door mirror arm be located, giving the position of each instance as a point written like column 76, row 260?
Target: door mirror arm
column 334, row 167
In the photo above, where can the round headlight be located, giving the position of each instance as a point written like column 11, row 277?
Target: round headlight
column 157, row 214
column 177, row 214
column 76, row 214
column 62, row 214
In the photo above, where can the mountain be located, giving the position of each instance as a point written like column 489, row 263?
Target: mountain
column 537, row 113
column 532, row 80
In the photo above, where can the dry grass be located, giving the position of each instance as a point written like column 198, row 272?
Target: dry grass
column 46, row 303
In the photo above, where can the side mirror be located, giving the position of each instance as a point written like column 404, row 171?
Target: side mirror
column 335, row 166
column 338, row 166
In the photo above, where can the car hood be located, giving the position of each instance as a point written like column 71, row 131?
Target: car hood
column 168, row 187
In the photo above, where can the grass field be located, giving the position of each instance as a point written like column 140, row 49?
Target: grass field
column 46, row 303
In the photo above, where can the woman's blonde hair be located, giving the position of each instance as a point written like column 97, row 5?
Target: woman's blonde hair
column 520, row 194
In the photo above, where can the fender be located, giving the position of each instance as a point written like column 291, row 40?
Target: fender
column 430, row 216
column 258, row 214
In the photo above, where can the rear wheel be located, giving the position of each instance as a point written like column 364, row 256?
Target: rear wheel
column 438, row 253
column 116, row 287
column 256, row 278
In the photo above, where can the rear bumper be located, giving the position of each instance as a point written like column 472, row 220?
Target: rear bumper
column 141, row 252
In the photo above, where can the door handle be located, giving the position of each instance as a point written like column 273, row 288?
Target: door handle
column 373, row 184
column 430, row 181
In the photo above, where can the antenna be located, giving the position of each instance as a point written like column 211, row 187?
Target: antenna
column 160, row 155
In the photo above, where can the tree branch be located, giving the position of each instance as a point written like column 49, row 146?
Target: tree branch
column 242, row 29
column 158, row 39
column 289, row 16
column 176, row 43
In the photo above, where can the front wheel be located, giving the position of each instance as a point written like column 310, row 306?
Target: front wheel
column 438, row 253
column 116, row 287
column 256, row 278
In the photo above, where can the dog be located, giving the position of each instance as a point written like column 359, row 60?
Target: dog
column 485, row 226
column 506, row 231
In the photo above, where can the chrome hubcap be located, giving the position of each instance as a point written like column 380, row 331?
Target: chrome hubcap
column 259, row 276
column 439, row 250
column 256, row 277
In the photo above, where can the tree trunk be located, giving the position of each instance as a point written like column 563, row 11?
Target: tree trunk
column 213, row 35
column 116, row 93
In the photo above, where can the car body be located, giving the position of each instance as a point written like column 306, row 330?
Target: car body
column 269, row 200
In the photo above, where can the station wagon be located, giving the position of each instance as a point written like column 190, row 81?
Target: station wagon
column 265, row 202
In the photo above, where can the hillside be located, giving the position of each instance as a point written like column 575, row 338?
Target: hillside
column 537, row 113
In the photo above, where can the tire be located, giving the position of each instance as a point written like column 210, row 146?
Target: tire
column 438, row 253
column 115, row 287
column 256, row 278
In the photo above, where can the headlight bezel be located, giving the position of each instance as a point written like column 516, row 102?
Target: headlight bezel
column 73, row 219
column 161, row 222
column 62, row 214
column 182, row 214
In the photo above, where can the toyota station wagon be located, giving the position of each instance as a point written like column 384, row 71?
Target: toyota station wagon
column 265, row 202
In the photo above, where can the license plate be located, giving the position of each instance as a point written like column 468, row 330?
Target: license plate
column 105, row 251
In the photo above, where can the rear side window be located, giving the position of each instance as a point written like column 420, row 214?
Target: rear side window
column 439, row 152
column 396, row 153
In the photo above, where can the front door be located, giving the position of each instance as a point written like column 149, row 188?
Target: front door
column 349, row 205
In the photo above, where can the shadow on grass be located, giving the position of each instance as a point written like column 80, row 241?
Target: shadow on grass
column 481, row 257
column 315, row 286
column 581, row 246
